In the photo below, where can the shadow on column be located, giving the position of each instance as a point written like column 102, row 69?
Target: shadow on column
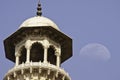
column 37, row 52
column 23, row 52
column 51, row 55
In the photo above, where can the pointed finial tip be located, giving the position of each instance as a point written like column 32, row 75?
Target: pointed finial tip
column 38, row 1
column 39, row 12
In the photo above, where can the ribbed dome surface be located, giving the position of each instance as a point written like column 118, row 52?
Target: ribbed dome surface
column 38, row 21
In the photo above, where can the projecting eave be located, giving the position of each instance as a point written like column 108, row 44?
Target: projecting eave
column 48, row 31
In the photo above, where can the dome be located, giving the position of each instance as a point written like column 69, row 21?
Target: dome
column 38, row 21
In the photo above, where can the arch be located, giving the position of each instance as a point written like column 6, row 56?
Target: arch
column 37, row 52
column 23, row 52
column 51, row 55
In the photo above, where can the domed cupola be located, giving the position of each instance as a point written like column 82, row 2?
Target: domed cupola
column 39, row 21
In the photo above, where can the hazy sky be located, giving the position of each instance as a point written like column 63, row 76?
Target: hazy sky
column 85, row 21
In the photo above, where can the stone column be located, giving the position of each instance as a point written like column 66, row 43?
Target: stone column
column 17, row 55
column 58, row 56
column 8, row 78
column 28, row 45
column 46, row 46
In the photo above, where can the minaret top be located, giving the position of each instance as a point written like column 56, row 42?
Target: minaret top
column 39, row 8
column 39, row 20
column 38, row 49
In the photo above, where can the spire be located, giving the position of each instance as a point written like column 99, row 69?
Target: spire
column 39, row 12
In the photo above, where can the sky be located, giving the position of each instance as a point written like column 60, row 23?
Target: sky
column 85, row 21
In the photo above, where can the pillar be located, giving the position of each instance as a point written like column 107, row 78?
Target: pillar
column 8, row 78
column 17, row 55
column 17, row 60
column 46, row 46
column 28, row 47
column 58, row 56
column 45, row 54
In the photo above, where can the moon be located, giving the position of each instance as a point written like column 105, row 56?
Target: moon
column 95, row 51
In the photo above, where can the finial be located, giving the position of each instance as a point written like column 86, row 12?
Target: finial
column 39, row 12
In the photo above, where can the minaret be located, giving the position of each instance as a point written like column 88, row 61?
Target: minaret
column 38, row 48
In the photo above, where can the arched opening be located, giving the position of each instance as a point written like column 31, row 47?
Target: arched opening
column 37, row 52
column 51, row 55
column 23, row 52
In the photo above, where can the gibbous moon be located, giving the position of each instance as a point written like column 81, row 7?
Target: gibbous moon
column 95, row 51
